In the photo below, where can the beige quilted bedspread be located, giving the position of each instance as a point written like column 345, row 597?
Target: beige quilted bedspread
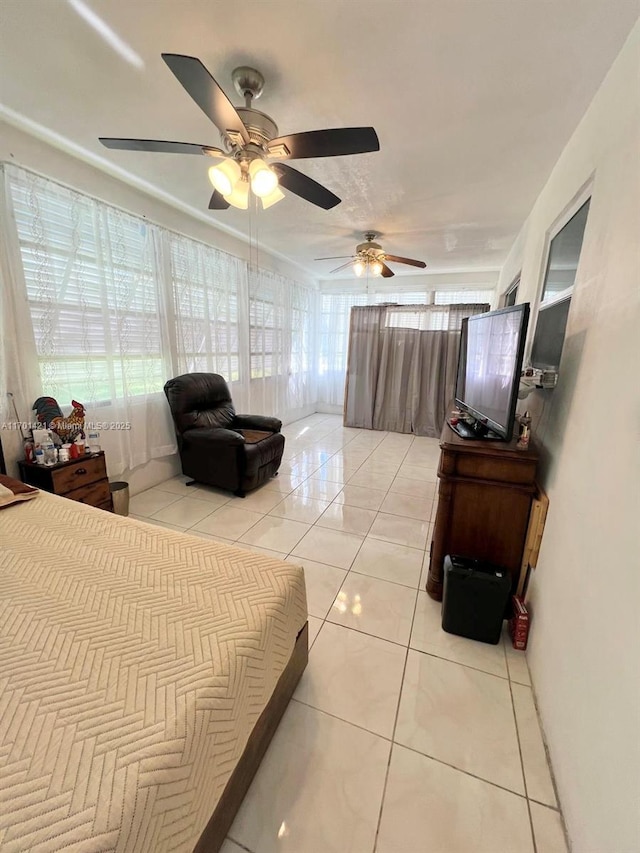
column 134, row 662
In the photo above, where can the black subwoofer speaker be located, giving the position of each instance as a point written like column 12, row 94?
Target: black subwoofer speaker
column 475, row 598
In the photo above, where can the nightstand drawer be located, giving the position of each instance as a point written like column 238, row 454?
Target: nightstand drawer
column 95, row 494
column 81, row 473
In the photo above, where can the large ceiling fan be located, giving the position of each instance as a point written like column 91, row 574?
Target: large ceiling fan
column 251, row 142
column 371, row 258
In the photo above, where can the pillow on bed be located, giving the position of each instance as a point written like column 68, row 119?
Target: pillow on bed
column 12, row 491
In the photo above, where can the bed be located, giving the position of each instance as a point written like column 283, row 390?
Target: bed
column 142, row 674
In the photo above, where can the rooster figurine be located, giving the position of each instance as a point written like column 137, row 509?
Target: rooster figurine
column 49, row 414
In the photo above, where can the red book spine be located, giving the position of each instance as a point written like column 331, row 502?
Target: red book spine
column 519, row 624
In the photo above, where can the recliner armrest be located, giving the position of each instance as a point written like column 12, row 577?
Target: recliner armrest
column 215, row 435
column 259, row 422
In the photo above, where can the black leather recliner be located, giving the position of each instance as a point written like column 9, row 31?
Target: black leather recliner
column 218, row 447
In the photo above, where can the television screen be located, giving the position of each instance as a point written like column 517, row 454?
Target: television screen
column 491, row 350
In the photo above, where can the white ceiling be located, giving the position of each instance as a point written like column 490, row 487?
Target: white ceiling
column 473, row 101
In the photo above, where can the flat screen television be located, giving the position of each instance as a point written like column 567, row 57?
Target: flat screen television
column 489, row 366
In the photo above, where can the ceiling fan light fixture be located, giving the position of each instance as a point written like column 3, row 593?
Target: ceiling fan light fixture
column 376, row 268
column 358, row 268
column 225, row 176
column 263, row 179
column 271, row 199
column 239, row 195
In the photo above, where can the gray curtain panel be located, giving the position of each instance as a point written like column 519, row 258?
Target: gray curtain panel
column 401, row 367
column 363, row 365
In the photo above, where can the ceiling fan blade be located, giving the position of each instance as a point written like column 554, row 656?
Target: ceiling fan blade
column 160, row 146
column 206, row 93
column 334, row 258
column 398, row 260
column 343, row 267
column 386, row 272
column 305, row 187
column 325, row 143
column 218, row 201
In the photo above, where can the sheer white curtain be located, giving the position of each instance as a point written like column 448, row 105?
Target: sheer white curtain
column 303, row 391
column 19, row 373
column 280, row 343
column 102, row 307
column 207, row 312
column 402, row 366
column 91, row 286
column 333, row 342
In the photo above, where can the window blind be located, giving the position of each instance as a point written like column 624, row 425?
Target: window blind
column 91, row 284
column 206, row 284
column 457, row 297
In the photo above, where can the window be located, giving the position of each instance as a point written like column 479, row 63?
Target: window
column 459, row 297
column 557, row 288
column 419, row 297
column 266, row 325
column 564, row 254
column 91, row 284
column 335, row 309
column 334, row 329
column 206, row 283
column 302, row 303
column 511, row 293
column 426, row 318
column 117, row 305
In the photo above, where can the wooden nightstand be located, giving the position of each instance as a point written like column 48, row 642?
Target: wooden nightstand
column 84, row 480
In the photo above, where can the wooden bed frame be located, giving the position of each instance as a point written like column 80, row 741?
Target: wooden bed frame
column 216, row 830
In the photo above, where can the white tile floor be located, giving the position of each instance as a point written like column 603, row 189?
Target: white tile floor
column 400, row 738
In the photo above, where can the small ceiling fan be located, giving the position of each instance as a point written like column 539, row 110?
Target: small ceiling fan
column 251, row 142
column 371, row 257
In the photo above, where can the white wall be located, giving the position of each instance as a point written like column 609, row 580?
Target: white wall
column 584, row 650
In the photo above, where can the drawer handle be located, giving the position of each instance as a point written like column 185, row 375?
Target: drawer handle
column 80, row 471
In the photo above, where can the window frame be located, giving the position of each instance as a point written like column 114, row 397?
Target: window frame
column 584, row 195
column 511, row 290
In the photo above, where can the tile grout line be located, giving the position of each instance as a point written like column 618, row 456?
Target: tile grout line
column 393, row 731
column 459, row 663
column 342, row 720
column 460, row 770
column 345, row 577
column 524, row 775
column 558, row 808
column 241, row 846
column 404, row 670
column 408, row 645
column 382, row 799
column 348, row 571
column 408, row 648
column 393, row 742
column 324, row 618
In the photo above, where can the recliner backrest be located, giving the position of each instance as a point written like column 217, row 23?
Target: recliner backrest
column 199, row 400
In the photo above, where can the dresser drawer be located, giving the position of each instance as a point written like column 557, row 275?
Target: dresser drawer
column 95, row 494
column 80, row 473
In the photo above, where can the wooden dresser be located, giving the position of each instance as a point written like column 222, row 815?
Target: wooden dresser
column 84, row 480
column 484, row 501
